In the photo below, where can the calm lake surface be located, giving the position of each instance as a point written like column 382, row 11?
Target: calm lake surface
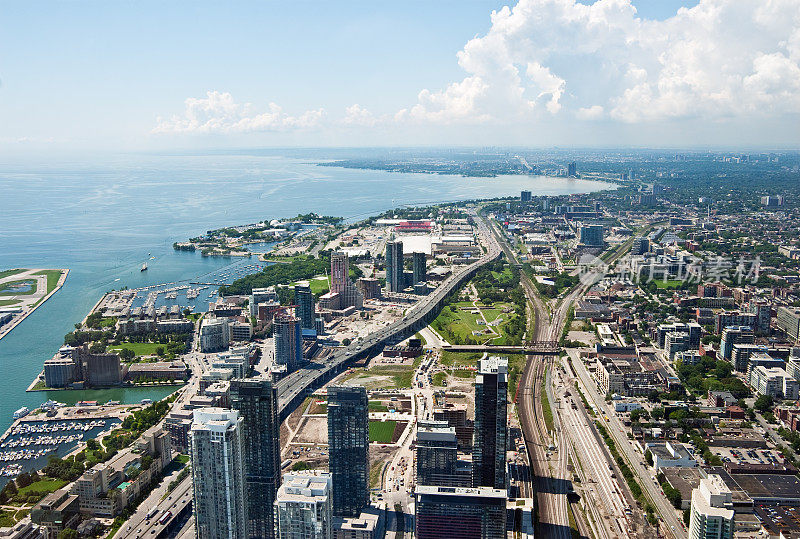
column 102, row 217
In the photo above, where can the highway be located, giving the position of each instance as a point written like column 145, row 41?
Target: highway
column 139, row 526
column 294, row 387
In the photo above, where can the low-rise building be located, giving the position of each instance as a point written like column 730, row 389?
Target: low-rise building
column 160, row 370
column 670, row 455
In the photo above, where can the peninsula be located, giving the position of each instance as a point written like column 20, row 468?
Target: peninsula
column 23, row 290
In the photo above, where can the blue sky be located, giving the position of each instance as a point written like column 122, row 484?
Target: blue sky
column 160, row 75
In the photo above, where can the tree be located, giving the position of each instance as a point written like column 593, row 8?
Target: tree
column 127, row 354
column 92, row 445
column 68, row 533
column 23, row 480
column 763, row 403
column 346, row 341
column 160, row 351
column 648, row 457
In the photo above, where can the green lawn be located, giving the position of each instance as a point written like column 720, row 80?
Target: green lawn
column 9, row 272
column 381, row 431
column 139, row 348
column 7, row 302
column 460, row 323
column 438, row 379
column 377, row 406
column 52, row 278
column 319, row 286
column 672, row 283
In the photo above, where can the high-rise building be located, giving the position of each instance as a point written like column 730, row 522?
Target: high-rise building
column 491, row 433
column 419, row 268
column 640, row 246
column 262, row 295
column 734, row 335
column 288, row 341
column 437, row 453
column 303, row 508
column 215, row 334
column 218, row 479
column 394, row 266
column 525, row 196
column 349, row 295
column 256, row 400
column 711, row 510
column 772, row 201
column 572, row 169
column 591, row 235
column 348, row 448
column 304, row 299
column 460, row 512
column 789, row 321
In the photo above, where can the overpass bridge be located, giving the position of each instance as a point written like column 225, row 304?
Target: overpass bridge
column 296, row 386
column 532, row 347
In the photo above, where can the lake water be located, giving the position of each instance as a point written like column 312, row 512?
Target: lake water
column 102, row 217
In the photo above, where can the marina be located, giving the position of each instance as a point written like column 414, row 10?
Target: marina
column 30, row 442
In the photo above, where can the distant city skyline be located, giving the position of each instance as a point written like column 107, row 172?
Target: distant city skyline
column 529, row 73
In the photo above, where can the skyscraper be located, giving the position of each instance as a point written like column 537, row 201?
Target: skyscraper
column 348, row 448
column 394, row 266
column 591, row 235
column 490, row 437
column 304, row 299
column 460, row 512
column 419, row 268
column 303, row 507
column 349, row 295
column 288, row 341
column 217, row 446
column 437, row 453
column 256, row 400
column 525, row 196
column 572, row 169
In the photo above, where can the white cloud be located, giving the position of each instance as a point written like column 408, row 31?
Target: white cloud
column 594, row 112
column 219, row 113
column 356, row 115
column 721, row 58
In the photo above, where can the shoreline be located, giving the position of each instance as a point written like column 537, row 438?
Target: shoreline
column 18, row 320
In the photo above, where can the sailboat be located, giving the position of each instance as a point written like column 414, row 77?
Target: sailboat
column 144, row 267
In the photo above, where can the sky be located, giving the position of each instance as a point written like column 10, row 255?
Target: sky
column 183, row 75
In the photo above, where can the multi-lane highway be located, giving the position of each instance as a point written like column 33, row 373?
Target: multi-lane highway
column 294, row 387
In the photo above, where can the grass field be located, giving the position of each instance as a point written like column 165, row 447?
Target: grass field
column 459, row 359
column 375, row 474
column 9, row 272
column 8, row 288
column 381, row 431
column 319, row 286
column 460, row 323
column 402, row 376
column 138, row 348
column 52, row 278
column 673, row 283
column 7, row 302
